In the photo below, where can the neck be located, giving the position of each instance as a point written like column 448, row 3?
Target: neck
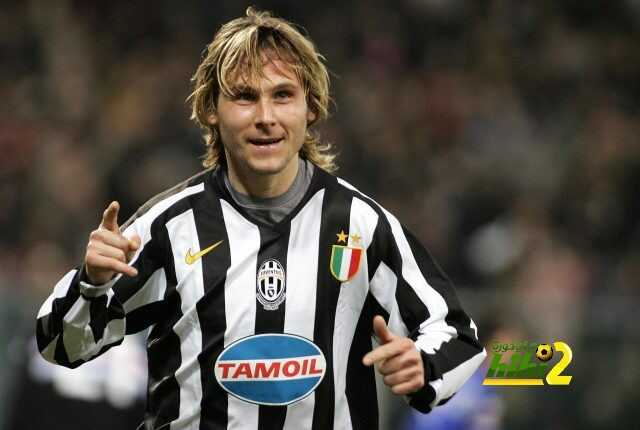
column 248, row 182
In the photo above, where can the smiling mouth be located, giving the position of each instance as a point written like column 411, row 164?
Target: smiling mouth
column 265, row 142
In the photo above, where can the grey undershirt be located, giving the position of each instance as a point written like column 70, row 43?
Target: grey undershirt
column 272, row 210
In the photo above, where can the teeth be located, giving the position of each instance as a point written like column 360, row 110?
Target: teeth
column 264, row 142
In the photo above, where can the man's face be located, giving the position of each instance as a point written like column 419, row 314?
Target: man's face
column 263, row 125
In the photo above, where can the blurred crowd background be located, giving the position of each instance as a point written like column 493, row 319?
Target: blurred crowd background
column 503, row 133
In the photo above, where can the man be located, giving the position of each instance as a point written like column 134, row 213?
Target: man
column 263, row 278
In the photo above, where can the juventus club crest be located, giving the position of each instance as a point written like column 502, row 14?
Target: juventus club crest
column 345, row 260
column 270, row 284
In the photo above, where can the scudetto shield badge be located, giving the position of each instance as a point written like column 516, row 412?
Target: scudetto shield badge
column 270, row 284
column 345, row 262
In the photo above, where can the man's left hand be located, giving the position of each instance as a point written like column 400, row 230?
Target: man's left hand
column 397, row 359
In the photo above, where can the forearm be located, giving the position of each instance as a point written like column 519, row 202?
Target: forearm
column 447, row 367
column 78, row 321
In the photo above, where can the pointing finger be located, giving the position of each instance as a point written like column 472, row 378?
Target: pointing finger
column 110, row 217
column 381, row 330
column 383, row 352
column 110, row 238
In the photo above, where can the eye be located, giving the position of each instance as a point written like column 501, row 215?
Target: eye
column 283, row 94
column 246, row 96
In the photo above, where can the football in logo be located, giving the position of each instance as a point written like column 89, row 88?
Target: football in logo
column 270, row 284
column 544, row 352
column 270, row 369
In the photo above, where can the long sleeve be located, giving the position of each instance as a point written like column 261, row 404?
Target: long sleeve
column 80, row 321
column 420, row 302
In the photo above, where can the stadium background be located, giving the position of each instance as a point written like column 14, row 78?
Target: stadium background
column 503, row 133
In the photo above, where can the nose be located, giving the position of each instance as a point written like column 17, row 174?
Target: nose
column 264, row 114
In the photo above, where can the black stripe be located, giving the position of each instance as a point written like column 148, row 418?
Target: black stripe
column 146, row 264
column 273, row 246
column 163, row 351
column 138, row 318
column 336, row 209
column 465, row 345
column 163, row 344
column 50, row 325
column 210, row 226
column 444, row 401
column 98, row 318
column 452, row 353
column 422, row 399
column 412, row 310
column 384, row 248
column 449, row 356
column 151, row 258
column 380, row 245
column 361, row 382
column 375, row 308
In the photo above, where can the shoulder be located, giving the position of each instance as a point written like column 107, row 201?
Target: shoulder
column 170, row 200
column 365, row 210
column 359, row 198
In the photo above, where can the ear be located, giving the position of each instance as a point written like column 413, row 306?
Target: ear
column 212, row 118
column 311, row 116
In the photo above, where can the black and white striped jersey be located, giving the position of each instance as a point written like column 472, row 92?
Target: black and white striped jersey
column 255, row 326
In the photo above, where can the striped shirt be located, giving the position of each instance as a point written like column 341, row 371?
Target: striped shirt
column 257, row 326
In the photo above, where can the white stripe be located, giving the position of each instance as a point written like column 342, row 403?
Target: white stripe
column 383, row 287
column 435, row 331
column 184, row 236
column 60, row 290
column 142, row 224
column 413, row 276
column 300, row 310
column 77, row 336
column 49, row 352
column 155, row 286
column 239, row 301
column 351, row 300
column 152, row 291
column 346, row 184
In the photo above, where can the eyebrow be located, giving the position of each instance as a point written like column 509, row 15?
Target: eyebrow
column 243, row 87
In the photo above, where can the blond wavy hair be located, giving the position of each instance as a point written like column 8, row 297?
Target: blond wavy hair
column 240, row 48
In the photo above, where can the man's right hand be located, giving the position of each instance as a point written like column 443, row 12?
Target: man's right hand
column 108, row 251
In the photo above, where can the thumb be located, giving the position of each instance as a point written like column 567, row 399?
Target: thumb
column 134, row 244
column 110, row 217
column 381, row 330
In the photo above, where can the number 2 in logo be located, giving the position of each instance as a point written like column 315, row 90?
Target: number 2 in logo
column 554, row 376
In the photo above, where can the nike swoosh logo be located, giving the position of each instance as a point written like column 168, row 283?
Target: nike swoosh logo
column 192, row 258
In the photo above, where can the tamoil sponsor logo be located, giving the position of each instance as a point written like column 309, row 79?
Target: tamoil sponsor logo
column 529, row 364
column 271, row 369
